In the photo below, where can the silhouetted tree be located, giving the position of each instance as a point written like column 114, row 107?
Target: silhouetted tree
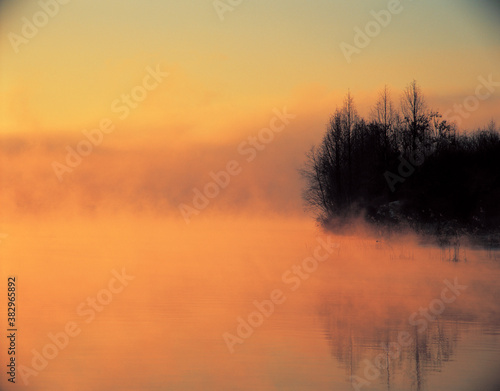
column 384, row 115
column 457, row 184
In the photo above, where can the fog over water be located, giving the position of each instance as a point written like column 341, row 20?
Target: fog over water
column 116, row 178
column 193, row 284
column 250, row 294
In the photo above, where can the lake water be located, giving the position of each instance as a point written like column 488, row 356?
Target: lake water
column 128, row 303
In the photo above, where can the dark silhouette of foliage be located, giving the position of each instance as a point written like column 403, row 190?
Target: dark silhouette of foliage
column 405, row 167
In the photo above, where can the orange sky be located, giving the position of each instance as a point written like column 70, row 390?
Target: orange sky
column 185, row 84
column 226, row 75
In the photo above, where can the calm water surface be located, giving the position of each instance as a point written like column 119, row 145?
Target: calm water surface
column 369, row 315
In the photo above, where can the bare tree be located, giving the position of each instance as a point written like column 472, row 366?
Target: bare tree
column 315, row 194
column 384, row 115
column 414, row 112
column 350, row 118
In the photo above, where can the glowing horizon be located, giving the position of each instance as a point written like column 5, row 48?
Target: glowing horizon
column 225, row 76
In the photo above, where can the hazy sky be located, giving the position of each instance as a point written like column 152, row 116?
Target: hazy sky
column 226, row 73
column 228, row 70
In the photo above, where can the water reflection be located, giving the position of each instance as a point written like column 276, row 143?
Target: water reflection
column 380, row 359
column 164, row 331
column 382, row 336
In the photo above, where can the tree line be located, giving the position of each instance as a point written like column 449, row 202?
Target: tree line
column 406, row 164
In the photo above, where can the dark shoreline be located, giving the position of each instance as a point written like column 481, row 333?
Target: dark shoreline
column 428, row 233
